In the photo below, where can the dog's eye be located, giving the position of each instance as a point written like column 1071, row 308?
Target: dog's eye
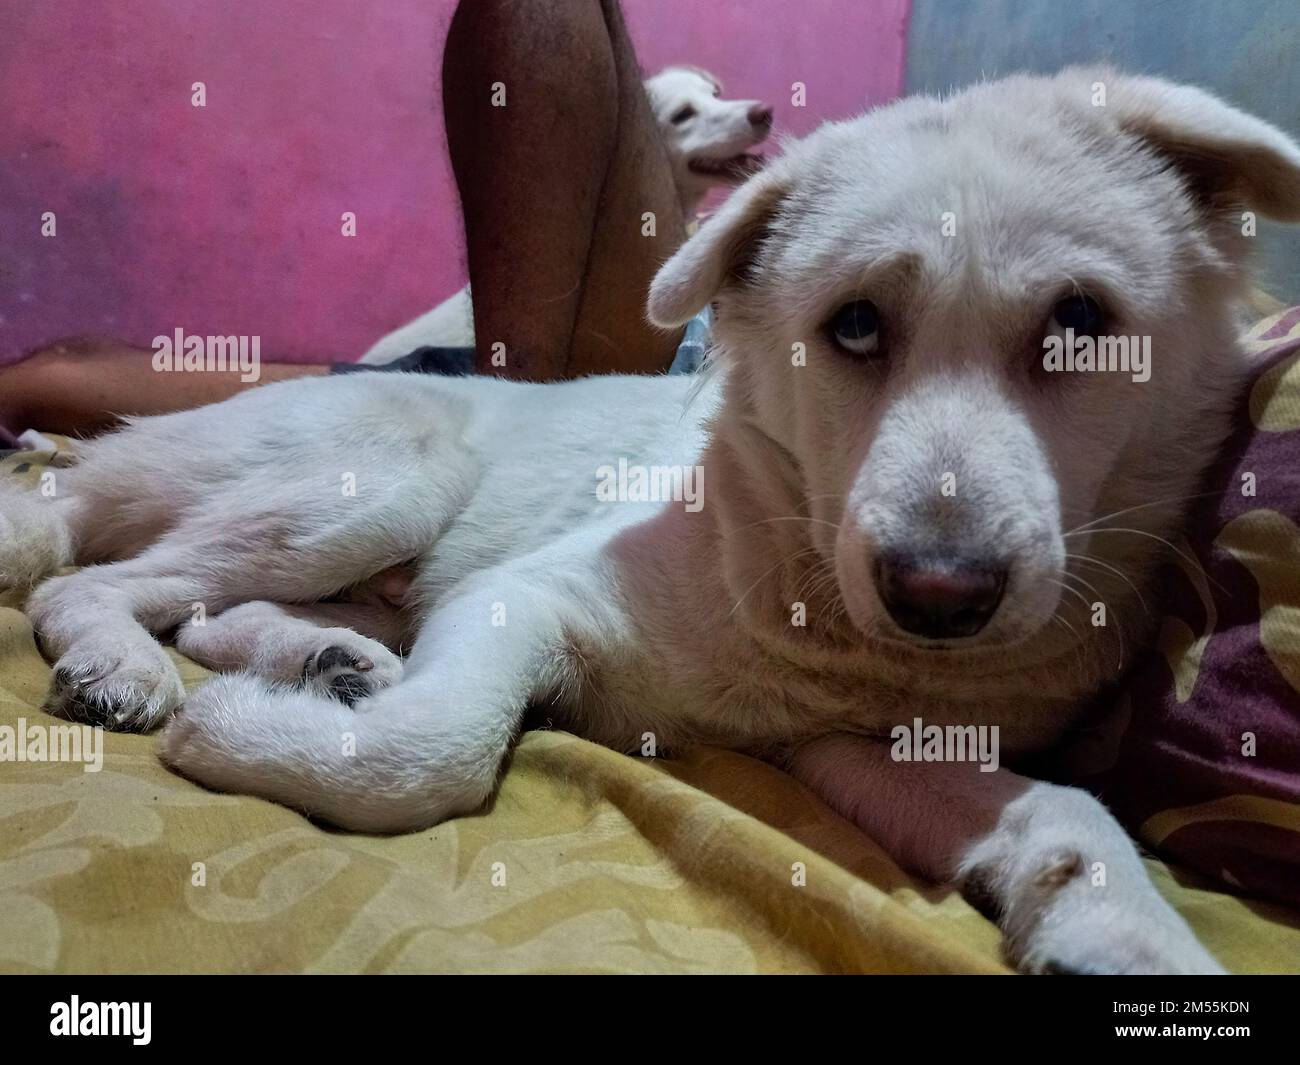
column 1083, row 314
column 683, row 115
column 855, row 328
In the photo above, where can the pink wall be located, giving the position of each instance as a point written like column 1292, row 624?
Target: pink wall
column 226, row 219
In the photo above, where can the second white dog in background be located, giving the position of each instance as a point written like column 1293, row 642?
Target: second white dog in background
column 707, row 140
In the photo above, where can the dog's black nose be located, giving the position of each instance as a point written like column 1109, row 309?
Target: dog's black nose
column 940, row 598
column 760, row 115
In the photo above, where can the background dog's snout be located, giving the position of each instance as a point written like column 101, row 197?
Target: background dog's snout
column 939, row 597
column 760, row 115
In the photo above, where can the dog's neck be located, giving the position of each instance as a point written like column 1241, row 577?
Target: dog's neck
column 691, row 192
column 690, row 199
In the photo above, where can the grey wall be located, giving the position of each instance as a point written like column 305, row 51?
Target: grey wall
column 1247, row 51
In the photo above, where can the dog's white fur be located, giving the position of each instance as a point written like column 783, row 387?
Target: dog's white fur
column 706, row 139
column 621, row 619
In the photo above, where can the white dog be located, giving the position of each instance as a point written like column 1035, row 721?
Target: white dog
column 706, row 137
column 707, row 140
column 888, row 510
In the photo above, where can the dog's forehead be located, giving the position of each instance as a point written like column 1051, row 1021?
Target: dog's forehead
column 951, row 149
column 682, row 80
column 1013, row 188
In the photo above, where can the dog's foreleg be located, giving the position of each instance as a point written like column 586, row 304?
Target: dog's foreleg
column 426, row 749
column 1069, row 889
column 312, row 646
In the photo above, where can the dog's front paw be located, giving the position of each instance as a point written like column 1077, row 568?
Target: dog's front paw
column 350, row 667
column 123, row 690
column 219, row 736
column 237, row 733
column 1067, row 920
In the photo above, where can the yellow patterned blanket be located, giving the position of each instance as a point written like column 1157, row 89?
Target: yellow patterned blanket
column 588, row 861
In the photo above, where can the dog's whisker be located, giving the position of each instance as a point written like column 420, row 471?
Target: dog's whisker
column 1090, row 608
column 783, row 517
column 1113, row 569
column 1074, row 646
column 1196, row 566
column 1143, row 506
column 786, row 560
column 825, row 583
column 1077, row 645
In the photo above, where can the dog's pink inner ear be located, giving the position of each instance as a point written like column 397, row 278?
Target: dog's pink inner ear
column 1229, row 158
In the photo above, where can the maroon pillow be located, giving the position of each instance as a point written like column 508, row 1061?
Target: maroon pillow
column 1204, row 765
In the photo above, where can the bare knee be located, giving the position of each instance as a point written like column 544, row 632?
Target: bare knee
column 482, row 28
column 512, row 64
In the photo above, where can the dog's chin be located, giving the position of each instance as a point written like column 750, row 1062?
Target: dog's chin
column 728, row 170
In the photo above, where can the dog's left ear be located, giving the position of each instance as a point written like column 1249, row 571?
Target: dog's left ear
column 1228, row 157
column 719, row 253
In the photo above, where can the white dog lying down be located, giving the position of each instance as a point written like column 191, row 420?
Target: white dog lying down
column 707, row 140
column 903, row 514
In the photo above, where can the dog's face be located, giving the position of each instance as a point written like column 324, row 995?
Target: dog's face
column 883, row 296
column 708, row 138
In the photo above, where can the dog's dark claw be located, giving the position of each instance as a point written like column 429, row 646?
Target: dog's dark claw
column 337, row 672
column 348, row 688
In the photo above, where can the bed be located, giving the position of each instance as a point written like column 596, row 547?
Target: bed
column 587, row 861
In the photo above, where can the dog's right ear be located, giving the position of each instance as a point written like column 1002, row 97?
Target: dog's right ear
column 1227, row 157
column 722, row 250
